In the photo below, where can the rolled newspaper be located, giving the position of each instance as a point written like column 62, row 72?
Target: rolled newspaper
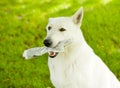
column 38, row 51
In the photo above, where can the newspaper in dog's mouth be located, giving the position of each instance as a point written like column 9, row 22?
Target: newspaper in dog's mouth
column 53, row 52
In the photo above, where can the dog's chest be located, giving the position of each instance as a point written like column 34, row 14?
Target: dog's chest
column 57, row 71
column 62, row 74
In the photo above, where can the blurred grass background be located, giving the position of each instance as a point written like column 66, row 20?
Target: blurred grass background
column 22, row 26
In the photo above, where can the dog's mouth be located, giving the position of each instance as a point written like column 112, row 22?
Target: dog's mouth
column 52, row 54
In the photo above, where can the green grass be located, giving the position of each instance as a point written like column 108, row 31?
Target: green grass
column 22, row 26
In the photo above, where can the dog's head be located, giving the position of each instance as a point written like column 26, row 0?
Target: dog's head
column 63, row 28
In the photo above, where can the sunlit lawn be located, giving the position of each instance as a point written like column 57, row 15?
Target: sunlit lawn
column 22, row 26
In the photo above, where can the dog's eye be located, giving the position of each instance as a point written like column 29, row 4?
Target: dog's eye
column 49, row 27
column 62, row 29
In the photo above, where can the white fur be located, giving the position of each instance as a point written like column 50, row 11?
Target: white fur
column 78, row 66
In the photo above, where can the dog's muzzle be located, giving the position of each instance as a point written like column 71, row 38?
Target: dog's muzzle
column 48, row 43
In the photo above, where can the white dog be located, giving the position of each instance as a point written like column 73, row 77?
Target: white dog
column 78, row 66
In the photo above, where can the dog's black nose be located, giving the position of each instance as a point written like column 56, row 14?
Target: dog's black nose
column 47, row 42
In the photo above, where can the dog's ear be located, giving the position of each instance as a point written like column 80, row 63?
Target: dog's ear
column 77, row 17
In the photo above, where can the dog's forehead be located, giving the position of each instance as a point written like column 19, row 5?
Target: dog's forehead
column 59, row 21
